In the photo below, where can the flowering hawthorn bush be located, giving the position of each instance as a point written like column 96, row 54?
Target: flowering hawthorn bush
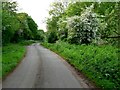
column 82, row 29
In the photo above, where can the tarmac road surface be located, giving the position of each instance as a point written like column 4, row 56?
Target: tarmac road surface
column 41, row 68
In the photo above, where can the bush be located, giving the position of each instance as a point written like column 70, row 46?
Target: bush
column 83, row 29
column 62, row 31
column 52, row 37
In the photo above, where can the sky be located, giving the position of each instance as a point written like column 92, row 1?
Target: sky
column 37, row 9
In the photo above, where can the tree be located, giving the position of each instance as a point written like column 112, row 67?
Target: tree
column 62, row 31
column 32, row 26
column 107, row 12
column 40, row 35
column 109, row 20
column 24, row 27
column 76, row 8
column 52, row 37
column 16, row 26
column 56, row 12
column 9, row 6
column 57, row 9
column 82, row 29
column 10, row 24
column 28, row 26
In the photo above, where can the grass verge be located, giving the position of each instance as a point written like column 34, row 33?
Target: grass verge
column 99, row 63
column 12, row 54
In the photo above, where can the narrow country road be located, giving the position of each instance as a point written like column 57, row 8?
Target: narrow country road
column 41, row 68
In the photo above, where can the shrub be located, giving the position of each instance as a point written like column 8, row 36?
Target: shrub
column 52, row 37
column 82, row 29
column 62, row 31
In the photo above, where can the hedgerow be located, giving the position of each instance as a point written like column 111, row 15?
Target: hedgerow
column 99, row 63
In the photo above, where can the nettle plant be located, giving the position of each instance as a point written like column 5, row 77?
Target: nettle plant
column 83, row 29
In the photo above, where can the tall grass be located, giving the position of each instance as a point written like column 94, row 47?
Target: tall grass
column 11, row 56
column 99, row 63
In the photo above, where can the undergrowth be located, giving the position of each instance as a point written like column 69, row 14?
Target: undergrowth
column 99, row 63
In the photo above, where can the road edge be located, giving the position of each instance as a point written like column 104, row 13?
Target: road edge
column 21, row 59
column 78, row 74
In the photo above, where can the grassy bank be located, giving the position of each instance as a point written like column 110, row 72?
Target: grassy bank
column 12, row 54
column 98, row 63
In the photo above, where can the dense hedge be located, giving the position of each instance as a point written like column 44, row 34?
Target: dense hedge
column 99, row 63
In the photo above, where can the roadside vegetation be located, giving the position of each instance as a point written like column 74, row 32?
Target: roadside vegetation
column 12, row 54
column 18, row 31
column 87, row 35
column 17, row 27
column 99, row 63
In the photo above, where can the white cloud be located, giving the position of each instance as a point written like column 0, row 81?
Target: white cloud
column 37, row 9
